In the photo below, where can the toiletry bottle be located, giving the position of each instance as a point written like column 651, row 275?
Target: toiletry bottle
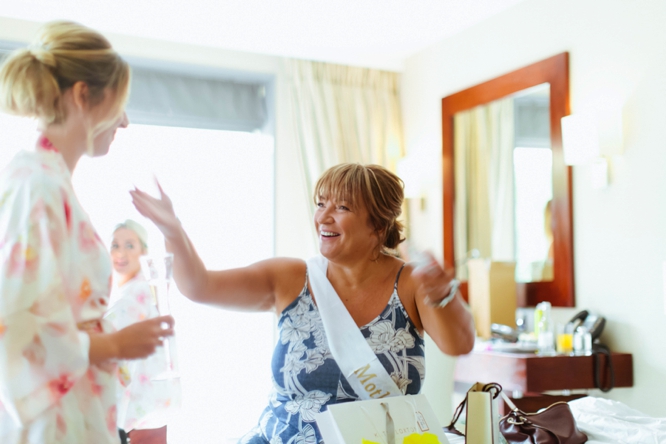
column 545, row 337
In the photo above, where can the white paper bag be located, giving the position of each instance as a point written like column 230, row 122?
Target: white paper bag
column 482, row 422
column 351, row 422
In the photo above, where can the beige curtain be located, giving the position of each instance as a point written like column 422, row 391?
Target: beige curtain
column 484, row 201
column 344, row 114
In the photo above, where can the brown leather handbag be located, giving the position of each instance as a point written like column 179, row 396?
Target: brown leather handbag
column 554, row 425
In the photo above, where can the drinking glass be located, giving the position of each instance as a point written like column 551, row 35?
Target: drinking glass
column 158, row 271
column 565, row 339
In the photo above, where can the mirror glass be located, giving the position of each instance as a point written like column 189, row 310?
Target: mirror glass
column 504, row 184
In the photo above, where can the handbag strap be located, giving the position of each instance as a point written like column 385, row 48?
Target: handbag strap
column 493, row 388
column 510, row 403
column 451, row 428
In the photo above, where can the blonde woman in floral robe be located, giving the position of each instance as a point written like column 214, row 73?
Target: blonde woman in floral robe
column 57, row 355
column 144, row 403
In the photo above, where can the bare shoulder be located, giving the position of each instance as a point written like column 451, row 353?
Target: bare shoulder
column 406, row 276
column 288, row 276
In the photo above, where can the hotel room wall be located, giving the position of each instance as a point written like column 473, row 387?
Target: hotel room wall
column 292, row 220
column 617, row 53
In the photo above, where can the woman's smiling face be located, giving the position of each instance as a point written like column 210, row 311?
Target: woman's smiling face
column 126, row 248
column 344, row 231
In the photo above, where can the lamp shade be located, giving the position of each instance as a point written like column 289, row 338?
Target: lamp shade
column 580, row 139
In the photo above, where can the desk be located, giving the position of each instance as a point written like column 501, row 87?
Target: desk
column 531, row 375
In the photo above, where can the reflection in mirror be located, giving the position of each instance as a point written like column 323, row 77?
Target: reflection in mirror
column 504, row 184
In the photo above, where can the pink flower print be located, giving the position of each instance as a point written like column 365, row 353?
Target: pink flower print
column 95, row 388
column 3, row 329
column 144, row 379
column 41, row 212
column 49, row 305
column 61, row 425
column 111, row 419
column 21, row 173
column 141, row 298
column 68, row 211
column 56, row 329
column 87, row 239
column 35, row 353
column 46, row 144
column 23, row 261
column 61, row 385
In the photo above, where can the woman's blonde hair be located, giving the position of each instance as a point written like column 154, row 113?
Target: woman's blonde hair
column 375, row 187
column 137, row 228
column 33, row 79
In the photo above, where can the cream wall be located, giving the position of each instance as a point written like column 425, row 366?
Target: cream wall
column 292, row 220
column 617, row 50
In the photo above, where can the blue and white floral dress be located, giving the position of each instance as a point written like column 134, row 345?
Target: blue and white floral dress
column 306, row 378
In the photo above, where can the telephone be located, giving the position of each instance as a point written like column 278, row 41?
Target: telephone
column 592, row 322
column 595, row 324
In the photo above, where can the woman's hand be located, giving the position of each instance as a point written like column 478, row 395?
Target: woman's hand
column 433, row 280
column 159, row 211
column 451, row 327
column 142, row 338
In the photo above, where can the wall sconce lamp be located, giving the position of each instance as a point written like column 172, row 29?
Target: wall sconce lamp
column 411, row 171
column 591, row 139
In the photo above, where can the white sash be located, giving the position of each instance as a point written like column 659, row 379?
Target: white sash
column 359, row 364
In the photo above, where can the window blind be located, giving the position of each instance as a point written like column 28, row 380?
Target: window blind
column 160, row 97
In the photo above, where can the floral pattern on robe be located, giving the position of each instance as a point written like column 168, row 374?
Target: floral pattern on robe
column 55, row 277
column 143, row 403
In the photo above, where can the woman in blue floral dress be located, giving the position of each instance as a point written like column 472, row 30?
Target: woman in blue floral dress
column 391, row 302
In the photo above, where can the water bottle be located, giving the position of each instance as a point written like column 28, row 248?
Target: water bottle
column 544, row 329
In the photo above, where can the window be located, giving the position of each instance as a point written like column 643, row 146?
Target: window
column 221, row 184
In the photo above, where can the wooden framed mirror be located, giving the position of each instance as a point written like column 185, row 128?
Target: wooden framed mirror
column 507, row 190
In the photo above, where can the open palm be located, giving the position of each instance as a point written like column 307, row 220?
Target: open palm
column 159, row 211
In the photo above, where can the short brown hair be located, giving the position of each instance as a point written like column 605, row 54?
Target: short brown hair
column 381, row 191
column 33, row 79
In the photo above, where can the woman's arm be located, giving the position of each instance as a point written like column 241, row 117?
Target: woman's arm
column 132, row 342
column 452, row 326
column 251, row 288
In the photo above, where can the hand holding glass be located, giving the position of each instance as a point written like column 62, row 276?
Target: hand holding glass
column 158, row 271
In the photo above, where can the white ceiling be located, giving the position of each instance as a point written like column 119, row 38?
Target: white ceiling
column 372, row 33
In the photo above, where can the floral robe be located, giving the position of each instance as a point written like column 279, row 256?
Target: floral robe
column 306, row 378
column 55, row 278
column 142, row 403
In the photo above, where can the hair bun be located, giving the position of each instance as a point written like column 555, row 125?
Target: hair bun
column 33, row 79
column 43, row 55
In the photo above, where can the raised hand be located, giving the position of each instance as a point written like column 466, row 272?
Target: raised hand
column 159, row 211
column 142, row 338
column 434, row 281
